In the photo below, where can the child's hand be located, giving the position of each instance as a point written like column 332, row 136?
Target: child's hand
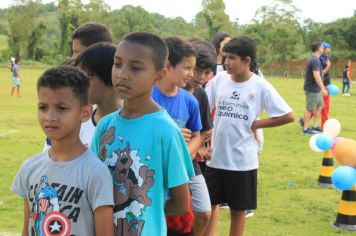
column 205, row 152
column 187, row 134
column 254, row 128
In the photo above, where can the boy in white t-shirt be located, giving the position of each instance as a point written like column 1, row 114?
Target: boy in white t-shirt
column 239, row 97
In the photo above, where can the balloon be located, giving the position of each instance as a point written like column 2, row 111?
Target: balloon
column 324, row 142
column 345, row 152
column 332, row 127
column 333, row 89
column 312, row 143
column 344, row 177
column 336, row 140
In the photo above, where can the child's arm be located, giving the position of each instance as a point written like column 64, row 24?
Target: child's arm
column 194, row 144
column 272, row 122
column 26, row 217
column 103, row 221
column 178, row 204
column 327, row 68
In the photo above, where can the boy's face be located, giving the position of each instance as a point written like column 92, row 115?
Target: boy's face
column 60, row 113
column 200, row 77
column 77, row 48
column 182, row 72
column 134, row 72
column 235, row 65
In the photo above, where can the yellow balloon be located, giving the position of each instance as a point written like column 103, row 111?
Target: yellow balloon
column 345, row 152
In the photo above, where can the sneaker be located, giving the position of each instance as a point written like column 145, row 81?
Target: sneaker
column 224, row 206
column 249, row 213
column 301, row 122
column 347, row 94
column 317, row 129
column 308, row 131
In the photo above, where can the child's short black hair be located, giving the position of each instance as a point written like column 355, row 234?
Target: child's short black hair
column 315, row 46
column 66, row 76
column 153, row 42
column 178, row 50
column 243, row 47
column 91, row 33
column 98, row 59
column 205, row 54
column 219, row 36
column 347, row 67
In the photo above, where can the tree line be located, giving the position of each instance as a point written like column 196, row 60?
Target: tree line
column 41, row 32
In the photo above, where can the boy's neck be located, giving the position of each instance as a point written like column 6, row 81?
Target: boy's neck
column 189, row 88
column 66, row 149
column 107, row 106
column 139, row 106
column 242, row 77
column 167, row 87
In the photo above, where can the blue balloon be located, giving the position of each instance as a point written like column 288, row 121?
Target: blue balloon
column 344, row 177
column 333, row 89
column 324, row 142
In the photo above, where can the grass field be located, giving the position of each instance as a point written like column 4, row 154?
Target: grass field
column 290, row 202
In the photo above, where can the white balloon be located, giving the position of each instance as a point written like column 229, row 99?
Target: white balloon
column 312, row 143
column 332, row 127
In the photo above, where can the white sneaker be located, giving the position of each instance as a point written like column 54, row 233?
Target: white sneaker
column 347, row 94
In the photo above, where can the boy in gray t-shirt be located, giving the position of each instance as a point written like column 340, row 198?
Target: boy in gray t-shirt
column 67, row 190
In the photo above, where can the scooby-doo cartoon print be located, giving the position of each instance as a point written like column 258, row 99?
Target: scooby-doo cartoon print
column 132, row 180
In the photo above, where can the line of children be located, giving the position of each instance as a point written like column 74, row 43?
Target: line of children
column 148, row 154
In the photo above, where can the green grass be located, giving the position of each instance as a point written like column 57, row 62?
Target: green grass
column 289, row 200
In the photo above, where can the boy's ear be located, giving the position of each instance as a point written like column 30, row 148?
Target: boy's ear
column 87, row 110
column 248, row 60
column 161, row 74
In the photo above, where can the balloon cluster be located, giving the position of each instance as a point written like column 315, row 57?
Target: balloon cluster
column 344, row 176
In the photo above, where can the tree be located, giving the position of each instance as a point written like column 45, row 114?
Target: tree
column 130, row 19
column 33, row 51
column 21, row 19
column 212, row 18
column 277, row 31
column 70, row 12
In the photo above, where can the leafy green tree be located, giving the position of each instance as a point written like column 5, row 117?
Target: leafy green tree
column 212, row 18
column 21, row 20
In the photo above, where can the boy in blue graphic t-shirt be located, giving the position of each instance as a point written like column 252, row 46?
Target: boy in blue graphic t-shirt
column 141, row 145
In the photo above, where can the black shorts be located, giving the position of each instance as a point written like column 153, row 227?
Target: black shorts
column 236, row 188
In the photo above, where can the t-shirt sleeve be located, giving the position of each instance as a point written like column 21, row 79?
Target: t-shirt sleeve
column 177, row 165
column 100, row 187
column 95, row 144
column 210, row 92
column 207, row 123
column 194, row 121
column 273, row 102
column 315, row 64
column 19, row 186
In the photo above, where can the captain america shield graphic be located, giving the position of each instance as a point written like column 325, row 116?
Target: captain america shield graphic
column 56, row 224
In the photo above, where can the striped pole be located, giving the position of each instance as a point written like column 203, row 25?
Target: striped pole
column 326, row 170
column 346, row 215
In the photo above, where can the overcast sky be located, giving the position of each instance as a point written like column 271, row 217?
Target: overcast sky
column 318, row 10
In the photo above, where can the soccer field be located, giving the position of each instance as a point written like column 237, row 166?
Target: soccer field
column 289, row 200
